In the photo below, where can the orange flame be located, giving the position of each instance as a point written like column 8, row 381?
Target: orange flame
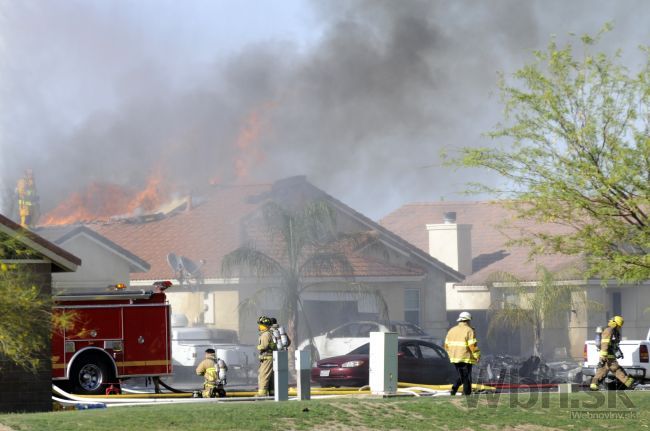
column 98, row 201
column 151, row 197
column 249, row 154
column 101, row 201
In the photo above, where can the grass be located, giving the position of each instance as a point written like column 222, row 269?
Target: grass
column 492, row 412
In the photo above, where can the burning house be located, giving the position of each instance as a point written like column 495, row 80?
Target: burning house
column 186, row 240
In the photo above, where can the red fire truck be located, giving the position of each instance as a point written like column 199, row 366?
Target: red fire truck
column 111, row 336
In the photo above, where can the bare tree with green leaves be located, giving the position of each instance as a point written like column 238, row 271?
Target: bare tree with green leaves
column 576, row 151
column 305, row 244
column 519, row 305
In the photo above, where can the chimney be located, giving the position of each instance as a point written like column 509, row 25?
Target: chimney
column 451, row 243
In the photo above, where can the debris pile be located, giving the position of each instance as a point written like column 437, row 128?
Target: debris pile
column 506, row 369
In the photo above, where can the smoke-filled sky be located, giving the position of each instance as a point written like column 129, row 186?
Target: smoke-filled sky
column 359, row 95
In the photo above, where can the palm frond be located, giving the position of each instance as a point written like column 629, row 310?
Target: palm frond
column 320, row 218
column 327, row 263
column 257, row 262
column 367, row 240
column 252, row 306
column 510, row 317
column 543, row 303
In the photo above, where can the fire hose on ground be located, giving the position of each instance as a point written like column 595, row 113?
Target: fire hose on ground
column 149, row 398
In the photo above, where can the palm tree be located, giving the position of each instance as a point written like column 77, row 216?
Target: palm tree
column 307, row 244
column 518, row 305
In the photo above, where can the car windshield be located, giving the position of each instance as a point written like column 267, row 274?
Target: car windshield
column 354, row 330
column 361, row 350
column 406, row 329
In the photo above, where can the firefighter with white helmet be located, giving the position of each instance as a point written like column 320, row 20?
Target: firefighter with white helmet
column 609, row 353
column 462, row 347
column 213, row 371
column 265, row 347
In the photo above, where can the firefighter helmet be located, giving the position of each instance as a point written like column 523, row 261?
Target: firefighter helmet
column 263, row 320
column 464, row 316
column 618, row 320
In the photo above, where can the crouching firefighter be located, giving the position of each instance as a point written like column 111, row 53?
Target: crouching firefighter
column 609, row 353
column 265, row 347
column 213, row 371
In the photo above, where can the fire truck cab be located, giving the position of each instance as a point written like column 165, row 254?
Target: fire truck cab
column 111, row 336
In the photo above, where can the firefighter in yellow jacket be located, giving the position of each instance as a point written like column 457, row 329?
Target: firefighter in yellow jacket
column 265, row 347
column 28, row 206
column 463, row 351
column 213, row 371
column 609, row 352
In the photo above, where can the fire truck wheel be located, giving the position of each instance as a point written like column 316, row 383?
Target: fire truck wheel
column 90, row 375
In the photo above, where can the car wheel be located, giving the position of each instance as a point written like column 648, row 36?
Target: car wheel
column 90, row 376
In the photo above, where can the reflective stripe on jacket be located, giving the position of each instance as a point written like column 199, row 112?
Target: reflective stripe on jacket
column 265, row 345
column 208, row 369
column 609, row 343
column 458, row 342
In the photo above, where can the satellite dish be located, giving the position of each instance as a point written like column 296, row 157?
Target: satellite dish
column 190, row 266
column 174, row 263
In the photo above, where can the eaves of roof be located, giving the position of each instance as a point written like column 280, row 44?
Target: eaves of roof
column 136, row 264
column 62, row 260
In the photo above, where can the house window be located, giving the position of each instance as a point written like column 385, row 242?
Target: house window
column 412, row 306
column 616, row 303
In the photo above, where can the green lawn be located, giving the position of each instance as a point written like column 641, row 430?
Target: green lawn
column 547, row 411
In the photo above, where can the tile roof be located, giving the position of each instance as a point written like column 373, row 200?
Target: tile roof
column 489, row 237
column 220, row 221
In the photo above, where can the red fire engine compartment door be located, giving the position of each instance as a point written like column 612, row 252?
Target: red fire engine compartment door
column 146, row 341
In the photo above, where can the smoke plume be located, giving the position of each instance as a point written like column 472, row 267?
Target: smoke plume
column 117, row 91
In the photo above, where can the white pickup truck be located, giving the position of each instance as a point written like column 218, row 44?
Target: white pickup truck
column 188, row 349
column 635, row 358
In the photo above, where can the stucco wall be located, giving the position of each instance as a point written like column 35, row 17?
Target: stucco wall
column 100, row 267
column 229, row 316
column 467, row 297
column 435, row 309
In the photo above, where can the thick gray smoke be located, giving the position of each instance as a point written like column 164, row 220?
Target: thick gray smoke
column 116, row 91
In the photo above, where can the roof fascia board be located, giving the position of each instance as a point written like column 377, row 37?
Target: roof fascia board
column 586, row 283
column 52, row 256
column 134, row 265
column 275, row 280
column 175, row 282
column 23, row 261
column 429, row 260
